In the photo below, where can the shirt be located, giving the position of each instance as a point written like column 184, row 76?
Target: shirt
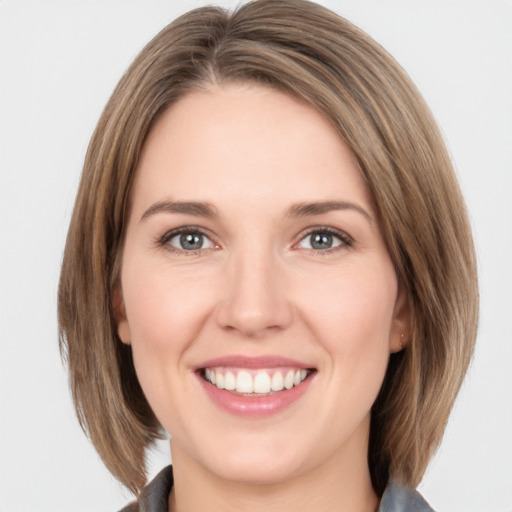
column 155, row 497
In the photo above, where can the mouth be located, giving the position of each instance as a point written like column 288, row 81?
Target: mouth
column 255, row 382
column 254, row 386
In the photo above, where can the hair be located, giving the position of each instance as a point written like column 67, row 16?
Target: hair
column 311, row 53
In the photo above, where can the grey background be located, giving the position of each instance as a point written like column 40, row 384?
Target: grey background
column 59, row 61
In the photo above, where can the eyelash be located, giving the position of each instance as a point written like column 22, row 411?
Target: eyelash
column 189, row 230
column 345, row 239
column 163, row 241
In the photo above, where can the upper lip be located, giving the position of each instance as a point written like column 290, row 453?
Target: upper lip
column 240, row 361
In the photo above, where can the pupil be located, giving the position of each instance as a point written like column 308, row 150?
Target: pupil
column 321, row 241
column 191, row 241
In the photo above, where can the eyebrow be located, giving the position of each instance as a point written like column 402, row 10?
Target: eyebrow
column 318, row 208
column 195, row 208
column 203, row 209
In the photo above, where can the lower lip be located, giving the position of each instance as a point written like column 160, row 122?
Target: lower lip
column 255, row 406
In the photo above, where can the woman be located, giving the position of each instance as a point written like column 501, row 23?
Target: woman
column 269, row 259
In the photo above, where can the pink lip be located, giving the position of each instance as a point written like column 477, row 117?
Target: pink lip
column 253, row 406
column 254, row 363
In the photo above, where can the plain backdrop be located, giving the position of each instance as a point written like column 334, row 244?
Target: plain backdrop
column 60, row 60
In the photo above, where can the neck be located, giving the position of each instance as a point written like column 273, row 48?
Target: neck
column 342, row 484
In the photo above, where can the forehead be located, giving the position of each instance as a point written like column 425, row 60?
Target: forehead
column 245, row 142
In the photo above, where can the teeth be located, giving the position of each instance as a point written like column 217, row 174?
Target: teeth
column 262, row 383
column 288, row 380
column 277, row 382
column 229, row 381
column 219, row 379
column 244, row 382
column 259, row 382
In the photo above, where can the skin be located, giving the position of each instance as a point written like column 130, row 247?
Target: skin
column 256, row 287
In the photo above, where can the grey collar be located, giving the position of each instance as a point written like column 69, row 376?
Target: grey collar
column 155, row 497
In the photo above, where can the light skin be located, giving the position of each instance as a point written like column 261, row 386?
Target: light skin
column 288, row 261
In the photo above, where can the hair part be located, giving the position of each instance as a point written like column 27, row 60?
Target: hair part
column 311, row 53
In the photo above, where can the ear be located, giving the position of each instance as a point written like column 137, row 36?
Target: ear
column 123, row 327
column 401, row 327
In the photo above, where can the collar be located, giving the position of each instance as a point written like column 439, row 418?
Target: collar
column 155, row 496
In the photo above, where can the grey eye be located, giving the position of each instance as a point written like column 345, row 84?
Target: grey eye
column 320, row 240
column 190, row 241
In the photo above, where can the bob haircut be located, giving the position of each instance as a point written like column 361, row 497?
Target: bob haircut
column 311, row 53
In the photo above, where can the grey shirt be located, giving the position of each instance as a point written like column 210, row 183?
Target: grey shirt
column 155, row 496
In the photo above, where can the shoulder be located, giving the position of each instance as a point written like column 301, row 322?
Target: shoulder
column 398, row 498
column 155, row 496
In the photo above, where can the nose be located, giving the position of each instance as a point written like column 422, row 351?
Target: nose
column 254, row 297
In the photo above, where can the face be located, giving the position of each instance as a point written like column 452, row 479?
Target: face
column 256, row 290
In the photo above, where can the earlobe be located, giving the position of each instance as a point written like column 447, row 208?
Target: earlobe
column 123, row 328
column 401, row 329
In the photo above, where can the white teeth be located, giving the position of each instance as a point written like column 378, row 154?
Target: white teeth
column 262, row 383
column 229, row 381
column 277, row 382
column 244, row 382
column 219, row 379
column 288, row 380
column 258, row 382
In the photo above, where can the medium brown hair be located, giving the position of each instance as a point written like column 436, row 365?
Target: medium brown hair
column 307, row 51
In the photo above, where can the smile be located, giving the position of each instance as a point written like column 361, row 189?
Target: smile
column 255, row 387
column 255, row 381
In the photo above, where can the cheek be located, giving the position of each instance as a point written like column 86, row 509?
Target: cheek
column 163, row 308
column 352, row 311
column 354, row 301
column 164, row 311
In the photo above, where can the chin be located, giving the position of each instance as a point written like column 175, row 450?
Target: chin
column 259, row 471
column 245, row 462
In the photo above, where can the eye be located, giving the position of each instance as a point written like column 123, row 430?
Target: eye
column 187, row 240
column 324, row 240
